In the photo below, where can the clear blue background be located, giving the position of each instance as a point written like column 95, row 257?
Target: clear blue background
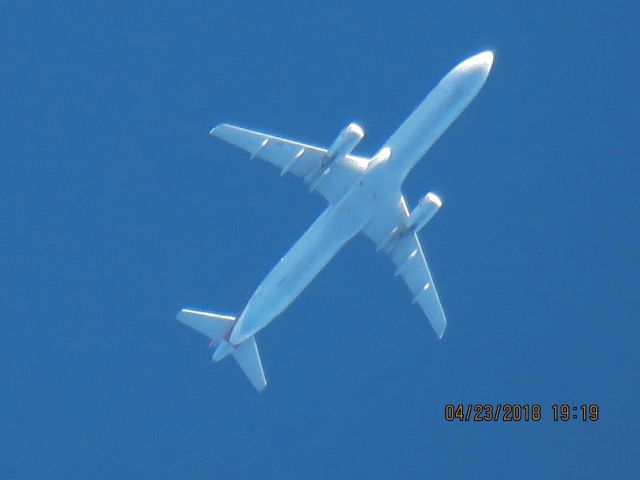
column 117, row 210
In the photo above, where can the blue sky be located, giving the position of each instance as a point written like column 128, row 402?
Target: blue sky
column 118, row 210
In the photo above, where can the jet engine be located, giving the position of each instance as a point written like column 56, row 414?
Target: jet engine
column 427, row 207
column 349, row 137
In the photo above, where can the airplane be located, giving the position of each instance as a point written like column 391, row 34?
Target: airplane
column 363, row 195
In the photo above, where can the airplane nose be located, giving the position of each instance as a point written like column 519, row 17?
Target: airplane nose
column 473, row 72
column 481, row 63
column 486, row 59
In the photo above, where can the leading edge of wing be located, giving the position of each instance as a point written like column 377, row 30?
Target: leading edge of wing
column 252, row 140
column 238, row 135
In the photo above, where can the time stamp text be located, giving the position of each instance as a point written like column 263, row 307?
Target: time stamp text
column 521, row 412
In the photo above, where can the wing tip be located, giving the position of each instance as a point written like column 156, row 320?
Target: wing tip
column 260, row 387
column 216, row 129
column 182, row 314
column 440, row 330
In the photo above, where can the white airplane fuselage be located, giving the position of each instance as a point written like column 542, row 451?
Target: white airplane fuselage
column 386, row 172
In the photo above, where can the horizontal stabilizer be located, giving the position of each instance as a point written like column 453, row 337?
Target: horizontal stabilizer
column 248, row 357
column 217, row 326
column 213, row 325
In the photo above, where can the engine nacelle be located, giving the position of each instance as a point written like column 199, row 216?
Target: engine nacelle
column 351, row 136
column 427, row 207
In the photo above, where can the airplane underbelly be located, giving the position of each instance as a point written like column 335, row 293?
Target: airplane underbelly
column 319, row 244
column 436, row 113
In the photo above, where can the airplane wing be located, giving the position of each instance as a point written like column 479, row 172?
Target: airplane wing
column 298, row 158
column 408, row 257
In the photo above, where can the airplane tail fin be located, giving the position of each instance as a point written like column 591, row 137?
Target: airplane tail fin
column 216, row 326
